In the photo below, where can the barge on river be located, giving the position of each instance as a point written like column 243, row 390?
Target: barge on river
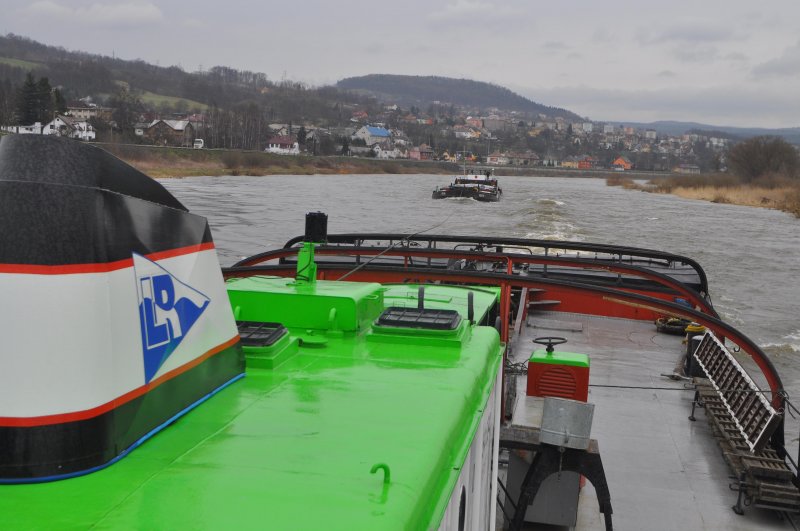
column 360, row 381
column 481, row 186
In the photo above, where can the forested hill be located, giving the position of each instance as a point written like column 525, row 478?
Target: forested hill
column 423, row 90
column 172, row 89
column 164, row 89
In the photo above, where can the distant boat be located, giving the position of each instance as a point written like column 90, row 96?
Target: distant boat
column 481, row 186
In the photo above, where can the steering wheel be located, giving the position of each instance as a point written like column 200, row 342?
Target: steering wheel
column 550, row 341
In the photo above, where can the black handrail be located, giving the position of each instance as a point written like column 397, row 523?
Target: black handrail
column 632, row 252
column 621, row 268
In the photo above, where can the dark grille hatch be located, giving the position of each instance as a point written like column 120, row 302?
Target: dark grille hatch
column 258, row 334
column 416, row 318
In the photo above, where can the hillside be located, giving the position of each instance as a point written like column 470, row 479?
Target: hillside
column 82, row 74
column 164, row 89
column 421, row 91
column 790, row 134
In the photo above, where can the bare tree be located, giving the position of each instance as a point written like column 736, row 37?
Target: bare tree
column 763, row 156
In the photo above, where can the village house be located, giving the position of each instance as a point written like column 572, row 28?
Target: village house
column 35, row 129
column 570, row 162
column 60, row 125
column 386, row 152
column 371, row 135
column 282, row 145
column 359, row 116
column 178, row 133
column 622, row 164
column 359, row 151
column 474, row 122
column 463, row 131
column 69, row 127
column 588, row 163
column 690, row 169
column 498, row 159
column 85, row 112
column 399, row 138
column 279, row 129
column 524, row 159
column 423, row 152
column 495, row 123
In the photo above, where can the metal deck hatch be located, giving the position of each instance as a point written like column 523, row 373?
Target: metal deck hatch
column 258, row 334
column 419, row 318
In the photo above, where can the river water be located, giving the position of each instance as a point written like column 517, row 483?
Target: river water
column 750, row 254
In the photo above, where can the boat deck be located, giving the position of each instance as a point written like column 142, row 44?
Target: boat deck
column 305, row 444
column 663, row 471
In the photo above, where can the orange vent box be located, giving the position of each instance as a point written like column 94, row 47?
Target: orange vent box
column 559, row 374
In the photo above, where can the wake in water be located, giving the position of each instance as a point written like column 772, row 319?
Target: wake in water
column 792, row 345
column 548, row 221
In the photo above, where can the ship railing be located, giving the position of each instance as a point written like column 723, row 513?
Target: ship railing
column 413, row 255
column 604, row 252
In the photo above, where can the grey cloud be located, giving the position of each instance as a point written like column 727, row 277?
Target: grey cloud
column 786, row 66
column 555, row 46
column 666, row 74
column 686, row 34
column 122, row 15
column 490, row 14
column 736, row 57
column 695, row 54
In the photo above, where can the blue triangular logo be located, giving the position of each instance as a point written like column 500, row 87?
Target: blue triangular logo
column 168, row 308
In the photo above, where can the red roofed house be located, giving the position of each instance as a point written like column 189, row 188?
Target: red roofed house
column 622, row 164
column 282, row 145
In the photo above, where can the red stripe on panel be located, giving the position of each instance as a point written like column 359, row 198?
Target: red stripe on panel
column 113, row 404
column 72, row 269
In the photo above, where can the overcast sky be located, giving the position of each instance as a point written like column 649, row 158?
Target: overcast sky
column 729, row 62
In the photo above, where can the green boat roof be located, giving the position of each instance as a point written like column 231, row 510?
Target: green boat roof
column 292, row 445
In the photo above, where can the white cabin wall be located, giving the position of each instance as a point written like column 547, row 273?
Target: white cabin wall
column 478, row 478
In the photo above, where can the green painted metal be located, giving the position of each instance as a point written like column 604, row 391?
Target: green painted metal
column 342, row 306
column 306, row 267
column 273, row 355
column 560, row 358
column 294, row 444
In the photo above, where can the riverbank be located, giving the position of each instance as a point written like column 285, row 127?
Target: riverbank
column 724, row 189
column 164, row 162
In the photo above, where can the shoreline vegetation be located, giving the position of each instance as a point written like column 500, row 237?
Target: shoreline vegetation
column 165, row 162
column 170, row 162
column 161, row 162
column 775, row 193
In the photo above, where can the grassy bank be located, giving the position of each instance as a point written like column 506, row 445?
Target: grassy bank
column 163, row 162
column 182, row 162
column 777, row 193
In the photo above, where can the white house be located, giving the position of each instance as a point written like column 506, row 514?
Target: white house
column 282, row 145
column 498, row 159
column 35, row 129
column 279, row 129
column 385, row 152
column 371, row 135
column 69, row 127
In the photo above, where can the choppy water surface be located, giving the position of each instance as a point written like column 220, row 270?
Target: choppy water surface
column 750, row 254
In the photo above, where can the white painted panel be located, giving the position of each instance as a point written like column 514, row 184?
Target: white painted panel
column 478, row 477
column 73, row 342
